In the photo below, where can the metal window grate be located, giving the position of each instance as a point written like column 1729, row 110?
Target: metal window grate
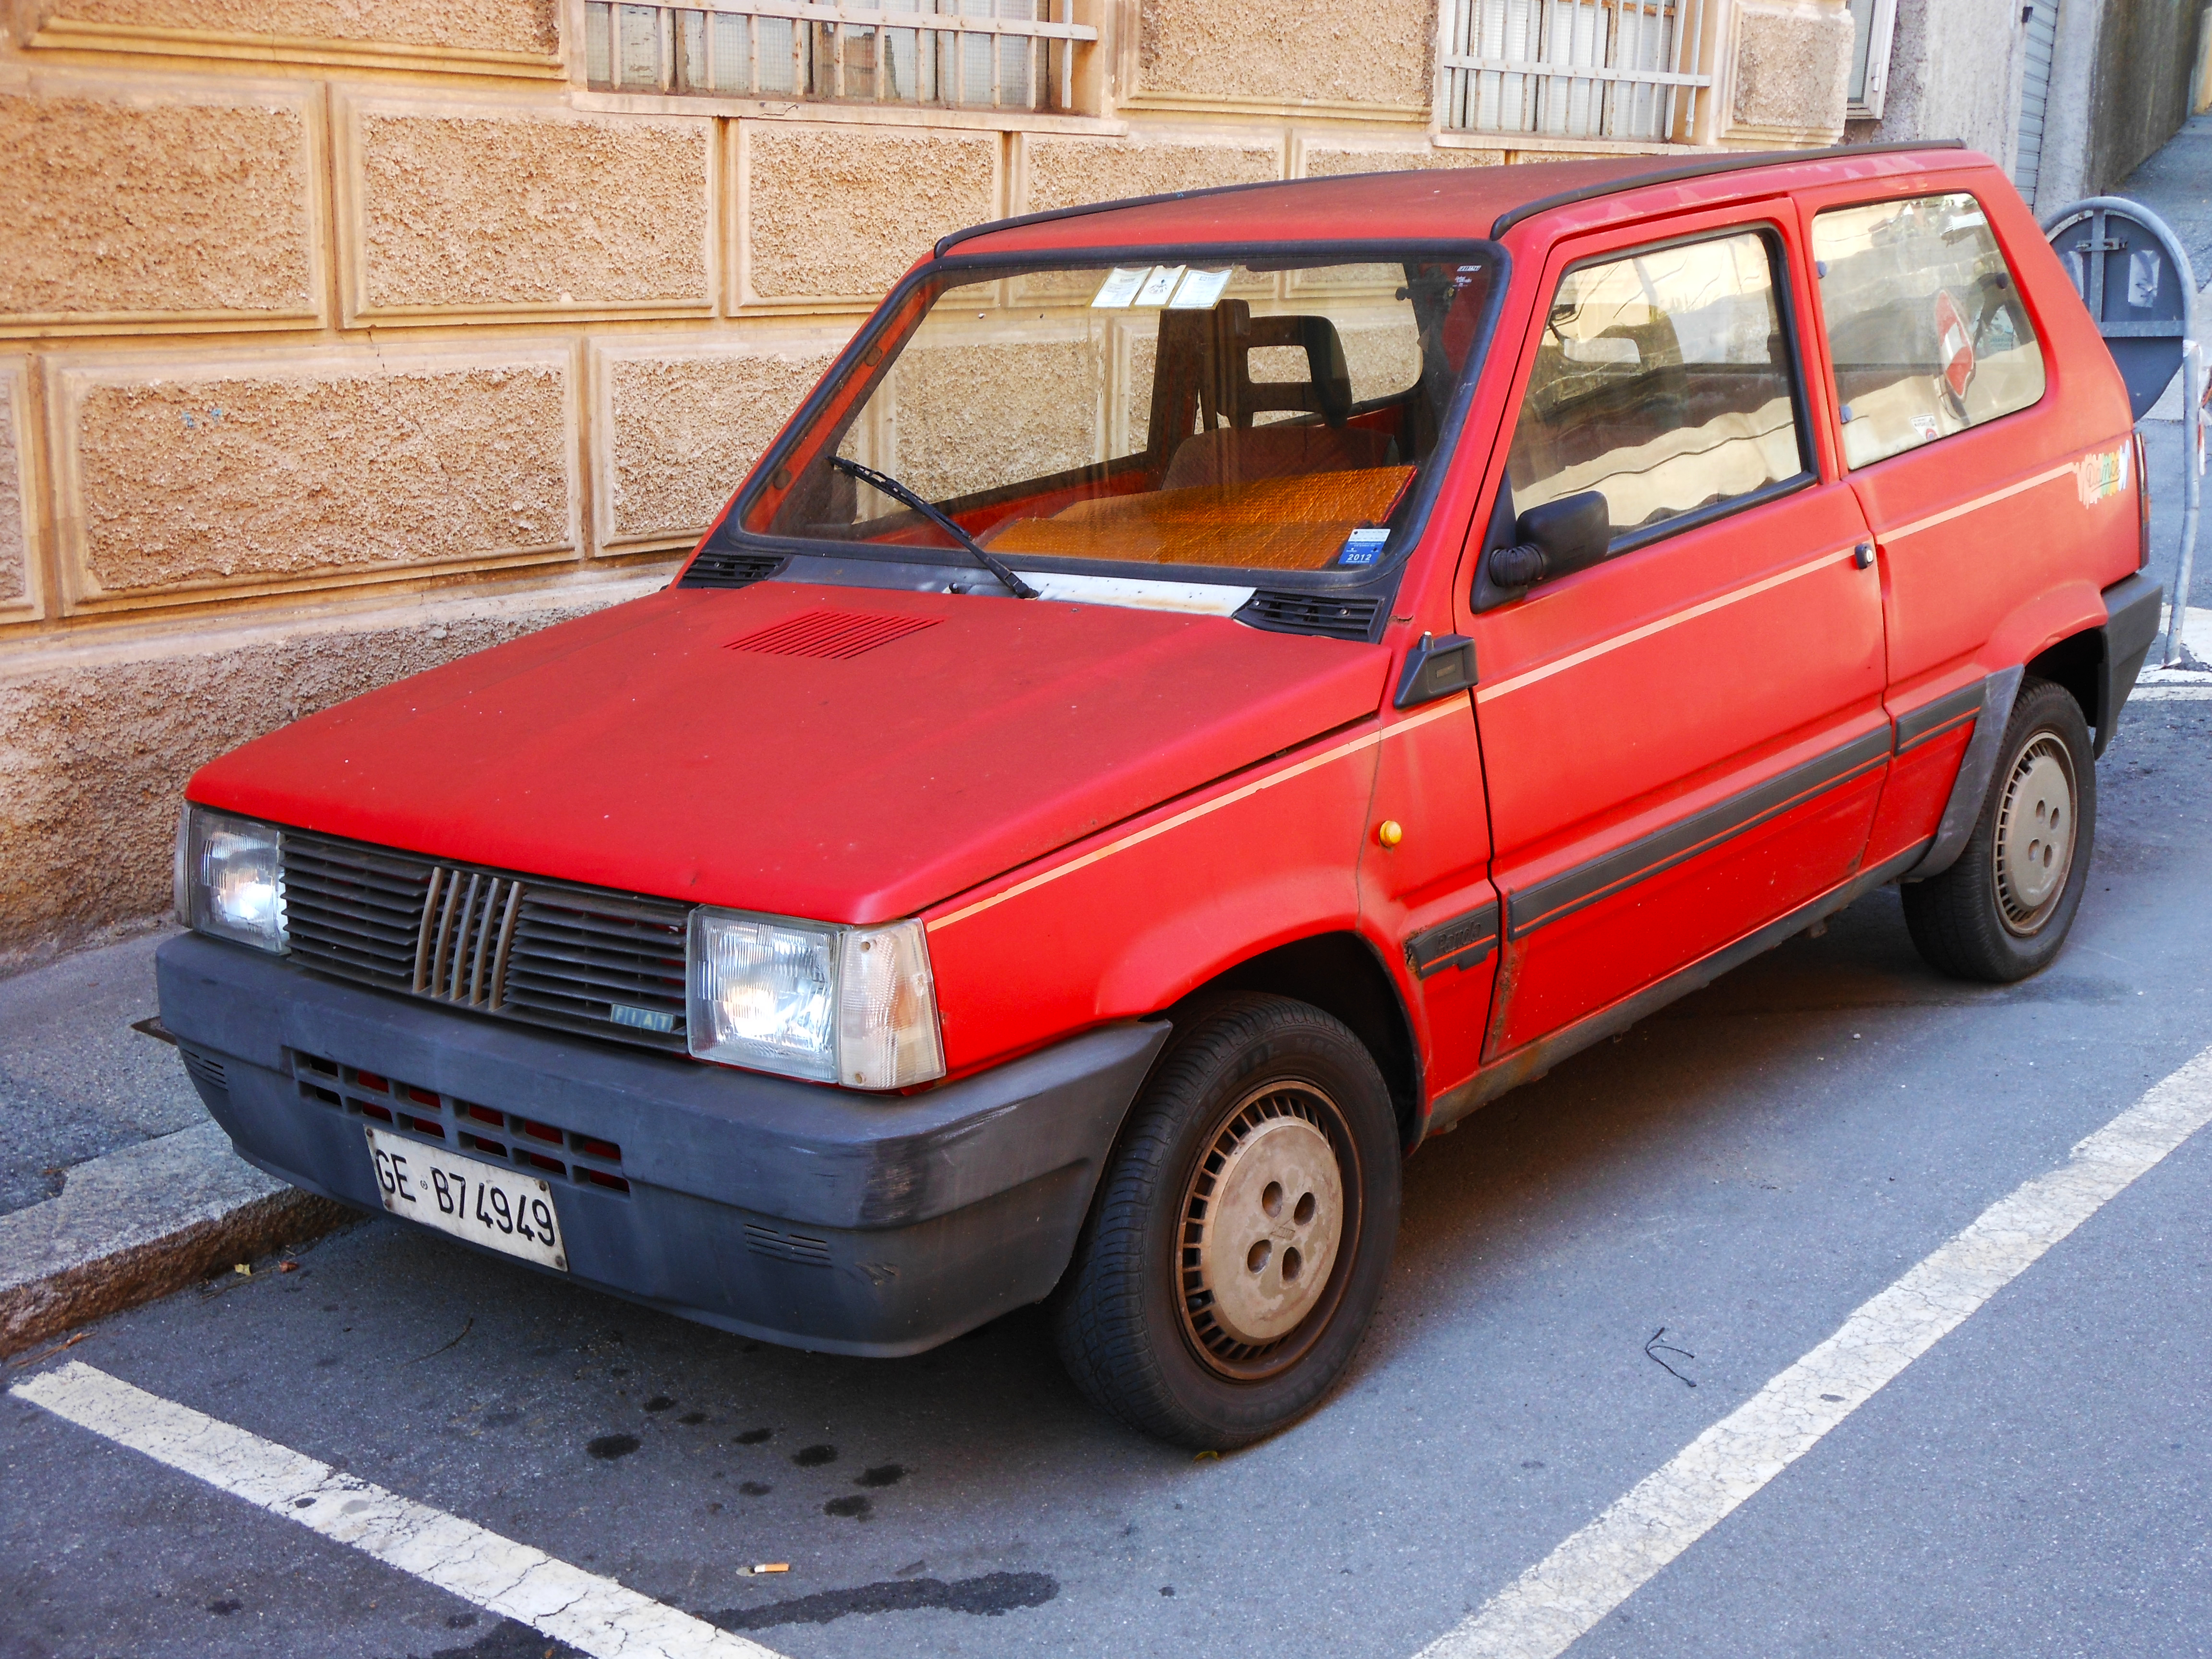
column 1574, row 68
column 606, row 965
column 991, row 54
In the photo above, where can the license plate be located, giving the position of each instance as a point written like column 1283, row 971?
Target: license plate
column 481, row 1202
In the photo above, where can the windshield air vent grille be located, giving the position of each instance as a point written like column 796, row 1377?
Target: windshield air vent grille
column 605, row 964
column 1338, row 617
column 830, row 634
column 723, row 567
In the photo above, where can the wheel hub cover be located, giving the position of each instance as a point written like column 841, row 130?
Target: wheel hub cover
column 2035, row 834
column 1269, row 1231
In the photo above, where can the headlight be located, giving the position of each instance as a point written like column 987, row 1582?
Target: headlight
column 851, row 1006
column 230, row 880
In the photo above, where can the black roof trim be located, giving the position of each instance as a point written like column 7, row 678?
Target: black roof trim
column 1738, row 162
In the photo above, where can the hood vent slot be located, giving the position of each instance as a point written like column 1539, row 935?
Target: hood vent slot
column 830, row 634
column 1337, row 616
column 723, row 567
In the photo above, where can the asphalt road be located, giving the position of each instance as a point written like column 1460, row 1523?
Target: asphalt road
column 1742, row 1170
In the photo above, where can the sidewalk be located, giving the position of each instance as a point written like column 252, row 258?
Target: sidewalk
column 115, row 1185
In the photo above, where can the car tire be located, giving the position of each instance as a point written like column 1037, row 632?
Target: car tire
column 2002, row 911
column 1237, row 1245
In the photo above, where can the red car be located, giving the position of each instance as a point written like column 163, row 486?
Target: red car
column 1205, row 693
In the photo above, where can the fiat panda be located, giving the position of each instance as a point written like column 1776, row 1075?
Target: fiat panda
column 1205, row 693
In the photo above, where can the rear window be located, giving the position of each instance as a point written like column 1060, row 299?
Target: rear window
column 1232, row 413
column 1925, row 324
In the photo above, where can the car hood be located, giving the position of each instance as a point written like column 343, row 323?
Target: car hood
column 849, row 755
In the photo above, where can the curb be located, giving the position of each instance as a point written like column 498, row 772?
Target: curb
column 139, row 1224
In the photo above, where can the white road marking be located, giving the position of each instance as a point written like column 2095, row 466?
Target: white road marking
column 2171, row 694
column 499, row 1575
column 1551, row 1605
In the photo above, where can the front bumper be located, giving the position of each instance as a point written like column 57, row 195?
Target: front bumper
column 804, row 1215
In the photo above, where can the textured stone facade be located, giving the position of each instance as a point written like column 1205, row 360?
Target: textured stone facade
column 14, row 539
column 323, row 464
column 840, row 212
column 1283, row 51
column 155, row 203
column 518, row 26
column 1332, row 162
column 1792, row 69
column 492, row 211
column 684, row 422
column 324, row 316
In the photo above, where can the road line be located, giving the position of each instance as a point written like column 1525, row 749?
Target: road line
column 1550, row 1606
column 499, row 1575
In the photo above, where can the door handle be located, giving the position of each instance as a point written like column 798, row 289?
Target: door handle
column 1862, row 555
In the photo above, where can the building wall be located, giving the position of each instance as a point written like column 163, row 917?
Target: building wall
column 2139, row 92
column 1953, row 73
column 339, row 338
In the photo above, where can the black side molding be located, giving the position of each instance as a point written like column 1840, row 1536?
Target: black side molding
column 1462, row 942
column 1932, row 720
column 2131, row 608
column 1530, row 908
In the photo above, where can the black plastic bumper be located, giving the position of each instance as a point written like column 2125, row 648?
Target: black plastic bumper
column 810, row 1216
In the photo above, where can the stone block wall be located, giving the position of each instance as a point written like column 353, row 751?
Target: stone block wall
column 339, row 336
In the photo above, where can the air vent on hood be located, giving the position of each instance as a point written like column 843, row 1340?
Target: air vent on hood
column 830, row 634
column 721, row 567
column 1339, row 617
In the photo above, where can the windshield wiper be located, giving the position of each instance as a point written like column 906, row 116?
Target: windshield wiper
column 898, row 492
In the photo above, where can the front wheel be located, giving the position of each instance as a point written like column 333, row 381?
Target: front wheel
column 1239, row 1240
column 2002, row 911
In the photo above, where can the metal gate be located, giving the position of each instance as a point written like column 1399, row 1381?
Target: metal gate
column 2042, row 32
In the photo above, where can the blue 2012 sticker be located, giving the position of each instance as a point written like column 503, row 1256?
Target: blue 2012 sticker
column 1362, row 547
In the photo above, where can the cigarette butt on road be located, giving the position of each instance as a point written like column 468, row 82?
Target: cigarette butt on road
column 772, row 1566
column 241, row 1267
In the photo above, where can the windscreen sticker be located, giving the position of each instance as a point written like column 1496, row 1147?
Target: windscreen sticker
column 1362, row 548
column 1199, row 290
column 1160, row 284
column 2100, row 474
column 1926, row 428
column 1118, row 289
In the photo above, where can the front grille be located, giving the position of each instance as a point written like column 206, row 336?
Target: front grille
column 460, row 950
column 460, row 1125
column 1338, row 619
column 606, row 965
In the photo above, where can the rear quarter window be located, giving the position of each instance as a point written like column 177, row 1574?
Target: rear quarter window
column 1925, row 324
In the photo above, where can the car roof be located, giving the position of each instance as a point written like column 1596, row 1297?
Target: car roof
column 1439, row 204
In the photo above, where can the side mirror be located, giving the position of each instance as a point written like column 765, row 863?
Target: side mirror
column 1555, row 539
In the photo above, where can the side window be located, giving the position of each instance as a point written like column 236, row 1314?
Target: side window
column 1925, row 324
column 1662, row 381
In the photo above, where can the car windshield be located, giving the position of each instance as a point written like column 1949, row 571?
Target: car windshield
column 1218, row 416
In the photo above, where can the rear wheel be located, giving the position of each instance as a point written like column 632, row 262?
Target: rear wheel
column 2002, row 911
column 1237, row 1246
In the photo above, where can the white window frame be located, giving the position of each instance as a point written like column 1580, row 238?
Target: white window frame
column 1876, row 20
column 1573, row 87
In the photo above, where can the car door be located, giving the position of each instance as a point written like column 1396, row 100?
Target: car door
column 1684, row 742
